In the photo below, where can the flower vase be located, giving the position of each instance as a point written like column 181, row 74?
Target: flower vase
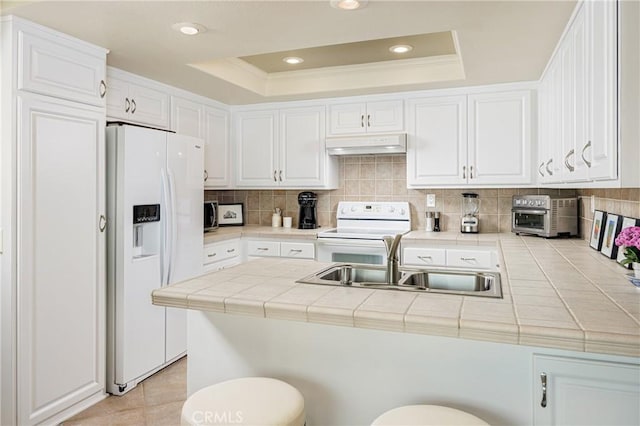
column 636, row 269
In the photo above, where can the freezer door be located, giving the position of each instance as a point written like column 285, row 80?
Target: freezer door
column 139, row 338
column 185, row 165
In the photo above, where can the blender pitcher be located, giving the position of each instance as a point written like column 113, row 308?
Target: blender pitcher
column 470, row 209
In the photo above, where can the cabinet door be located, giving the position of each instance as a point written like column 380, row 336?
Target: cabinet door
column 603, row 60
column 347, row 119
column 217, row 158
column 186, row 117
column 118, row 102
column 385, row 116
column 543, row 130
column 585, row 392
column 61, row 273
column 437, row 143
column 149, row 106
column 567, row 103
column 554, row 145
column 500, row 138
column 61, row 68
column 580, row 97
column 302, row 149
column 255, row 133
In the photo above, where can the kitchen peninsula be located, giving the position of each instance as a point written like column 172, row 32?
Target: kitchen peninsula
column 355, row 352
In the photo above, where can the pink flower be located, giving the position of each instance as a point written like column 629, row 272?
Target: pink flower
column 629, row 237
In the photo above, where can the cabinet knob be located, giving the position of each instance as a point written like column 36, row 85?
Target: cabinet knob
column 362, row 120
column 102, row 223
column 206, row 175
column 540, row 169
column 566, row 160
column 127, row 105
column 275, row 175
column 368, row 120
column 549, row 171
column 133, row 106
column 464, row 172
column 280, row 176
column 470, row 172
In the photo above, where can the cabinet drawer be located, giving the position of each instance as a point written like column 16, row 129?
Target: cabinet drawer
column 298, row 250
column 263, row 248
column 469, row 258
column 424, row 257
column 221, row 251
column 63, row 71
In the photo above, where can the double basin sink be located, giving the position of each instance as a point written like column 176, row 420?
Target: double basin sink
column 468, row 283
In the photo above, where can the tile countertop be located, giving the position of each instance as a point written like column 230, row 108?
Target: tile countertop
column 557, row 293
column 230, row 232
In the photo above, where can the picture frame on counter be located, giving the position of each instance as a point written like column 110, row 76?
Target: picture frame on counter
column 626, row 223
column 612, row 227
column 597, row 229
column 231, row 214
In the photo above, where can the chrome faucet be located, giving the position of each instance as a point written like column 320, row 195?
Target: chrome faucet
column 392, row 244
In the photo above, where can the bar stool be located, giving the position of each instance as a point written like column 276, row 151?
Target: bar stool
column 427, row 415
column 245, row 401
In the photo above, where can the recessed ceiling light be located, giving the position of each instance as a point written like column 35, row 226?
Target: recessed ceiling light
column 348, row 4
column 401, row 48
column 293, row 60
column 189, row 28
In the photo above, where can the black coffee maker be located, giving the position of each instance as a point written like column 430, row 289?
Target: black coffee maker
column 308, row 217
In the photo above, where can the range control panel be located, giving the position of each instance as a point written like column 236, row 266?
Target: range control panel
column 373, row 210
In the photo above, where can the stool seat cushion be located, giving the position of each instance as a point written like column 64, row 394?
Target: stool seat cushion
column 427, row 415
column 246, row 401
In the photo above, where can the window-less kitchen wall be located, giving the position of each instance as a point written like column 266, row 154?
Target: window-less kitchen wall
column 383, row 178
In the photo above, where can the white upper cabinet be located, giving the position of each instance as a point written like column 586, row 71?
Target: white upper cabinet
column 283, row 148
column 479, row 139
column 217, row 156
column 137, row 100
column 187, row 117
column 437, row 142
column 69, row 70
column 370, row 117
column 578, row 128
column 499, row 138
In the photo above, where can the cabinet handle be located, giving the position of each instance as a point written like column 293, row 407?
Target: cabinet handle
column 566, row 160
column 470, row 172
column 212, row 254
column 133, row 106
column 263, row 249
column 464, row 172
column 127, row 105
column 543, row 380
column 547, row 167
column 280, row 176
column 425, row 257
column 468, row 259
column 275, row 175
column 231, row 250
column 206, row 175
column 103, row 89
column 587, row 162
column 362, row 120
column 539, row 169
column 368, row 120
column 102, row 223
column 295, row 251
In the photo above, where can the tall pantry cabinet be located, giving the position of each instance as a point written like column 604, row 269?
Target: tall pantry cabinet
column 53, row 222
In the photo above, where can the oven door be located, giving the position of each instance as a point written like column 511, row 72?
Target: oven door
column 371, row 252
column 531, row 221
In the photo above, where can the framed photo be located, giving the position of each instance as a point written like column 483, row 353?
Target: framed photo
column 231, row 214
column 612, row 226
column 626, row 223
column 597, row 229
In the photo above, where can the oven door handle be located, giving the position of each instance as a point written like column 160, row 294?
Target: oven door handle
column 529, row 211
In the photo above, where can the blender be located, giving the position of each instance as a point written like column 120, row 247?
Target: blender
column 470, row 208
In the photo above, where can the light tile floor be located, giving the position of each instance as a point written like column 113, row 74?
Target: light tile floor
column 156, row 401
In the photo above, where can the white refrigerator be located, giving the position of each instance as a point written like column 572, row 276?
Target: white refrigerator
column 155, row 236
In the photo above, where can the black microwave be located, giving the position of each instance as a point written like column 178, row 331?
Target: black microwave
column 210, row 216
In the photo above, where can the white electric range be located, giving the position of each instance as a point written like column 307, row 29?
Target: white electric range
column 361, row 226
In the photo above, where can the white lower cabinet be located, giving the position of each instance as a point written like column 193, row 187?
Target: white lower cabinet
column 424, row 257
column 571, row 391
column 466, row 258
column 61, row 251
column 270, row 248
column 221, row 255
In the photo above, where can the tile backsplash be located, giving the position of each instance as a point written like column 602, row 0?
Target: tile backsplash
column 383, row 178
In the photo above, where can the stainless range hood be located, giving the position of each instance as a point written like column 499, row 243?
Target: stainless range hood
column 395, row 143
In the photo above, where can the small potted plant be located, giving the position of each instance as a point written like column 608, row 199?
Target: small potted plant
column 629, row 238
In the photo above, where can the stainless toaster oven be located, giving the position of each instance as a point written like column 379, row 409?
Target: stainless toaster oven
column 544, row 215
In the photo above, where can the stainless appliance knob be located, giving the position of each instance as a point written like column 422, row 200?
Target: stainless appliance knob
column 353, row 208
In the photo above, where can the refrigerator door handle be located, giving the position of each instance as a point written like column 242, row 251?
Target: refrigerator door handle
column 164, row 272
column 173, row 228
